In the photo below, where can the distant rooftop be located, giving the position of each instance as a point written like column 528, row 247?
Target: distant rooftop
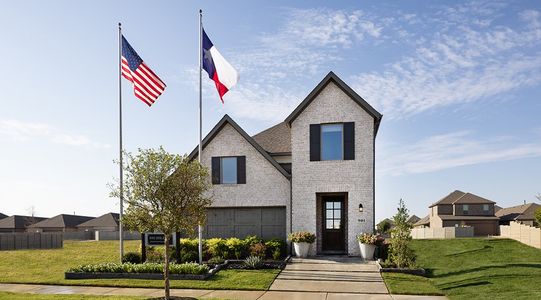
column 19, row 222
column 518, row 212
column 62, row 221
column 106, row 220
column 459, row 197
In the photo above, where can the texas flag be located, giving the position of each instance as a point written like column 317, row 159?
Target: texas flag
column 219, row 70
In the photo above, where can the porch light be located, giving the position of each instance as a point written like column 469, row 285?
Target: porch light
column 361, row 207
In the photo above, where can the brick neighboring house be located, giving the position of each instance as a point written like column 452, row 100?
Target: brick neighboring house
column 106, row 222
column 313, row 172
column 459, row 208
column 60, row 223
column 524, row 214
column 18, row 223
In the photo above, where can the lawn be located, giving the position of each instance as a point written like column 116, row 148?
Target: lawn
column 473, row 269
column 21, row 296
column 48, row 267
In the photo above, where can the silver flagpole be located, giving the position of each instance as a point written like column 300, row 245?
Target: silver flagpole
column 120, row 140
column 200, row 229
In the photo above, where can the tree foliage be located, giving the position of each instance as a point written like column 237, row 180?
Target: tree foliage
column 538, row 217
column 164, row 193
column 384, row 226
column 400, row 254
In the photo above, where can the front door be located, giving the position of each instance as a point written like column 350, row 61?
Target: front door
column 333, row 224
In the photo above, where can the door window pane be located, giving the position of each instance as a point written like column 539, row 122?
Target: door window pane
column 336, row 224
column 229, row 170
column 329, row 224
column 328, row 205
column 331, row 142
column 337, row 214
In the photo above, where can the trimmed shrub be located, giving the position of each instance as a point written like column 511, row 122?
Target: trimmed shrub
column 155, row 254
column 275, row 248
column 251, row 240
column 235, row 248
column 217, row 247
column 190, row 256
column 258, row 250
column 253, row 262
column 132, row 257
column 186, row 268
column 216, row 261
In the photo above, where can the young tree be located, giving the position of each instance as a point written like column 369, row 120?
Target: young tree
column 538, row 217
column 164, row 192
column 400, row 254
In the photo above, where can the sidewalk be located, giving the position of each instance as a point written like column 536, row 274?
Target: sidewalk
column 221, row 294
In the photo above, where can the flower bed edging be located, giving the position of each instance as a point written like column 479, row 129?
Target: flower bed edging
column 152, row 276
column 418, row 272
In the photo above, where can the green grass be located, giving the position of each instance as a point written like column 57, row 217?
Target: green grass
column 48, row 267
column 22, row 296
column 473, row 269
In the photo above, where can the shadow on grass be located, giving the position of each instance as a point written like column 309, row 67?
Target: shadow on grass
column 485, row 248
column 484, row 268
column 463, row 285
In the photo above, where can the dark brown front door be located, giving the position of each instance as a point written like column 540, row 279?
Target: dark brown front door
column 333, row 224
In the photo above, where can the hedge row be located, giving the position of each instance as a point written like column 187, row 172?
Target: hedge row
column 186, row 268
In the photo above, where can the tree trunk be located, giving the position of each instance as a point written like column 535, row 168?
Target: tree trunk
column 166, row 267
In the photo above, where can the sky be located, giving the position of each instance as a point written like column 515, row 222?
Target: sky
column 458, row 83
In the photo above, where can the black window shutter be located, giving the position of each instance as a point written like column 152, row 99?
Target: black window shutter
column 216, row 170
column 241, row 169
column 349, row 141
column 315, row 142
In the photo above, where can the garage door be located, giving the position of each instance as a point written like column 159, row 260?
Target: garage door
column 265, row 222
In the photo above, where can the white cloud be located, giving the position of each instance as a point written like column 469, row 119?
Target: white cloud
column 451, row 150
column 29, row 131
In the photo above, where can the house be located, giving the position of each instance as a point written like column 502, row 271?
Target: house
column 18, row 223
column 312, row 172
column 462, row 209
column 413, row 219
column 61, row 223
column 524, row 214
column 106, row 222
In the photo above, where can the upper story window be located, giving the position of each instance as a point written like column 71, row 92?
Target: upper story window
column 229, row 170
column 333, row 141
column 485, row 207
column 465, row 208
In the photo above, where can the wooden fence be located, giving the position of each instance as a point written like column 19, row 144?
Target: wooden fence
column 525, row 234
column 441, row 233
column 25, row 240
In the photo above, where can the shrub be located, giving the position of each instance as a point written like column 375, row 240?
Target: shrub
column 216, row 260
column 253, row 262
column 217, row 247
column 538, row 217
column 251, row 240
column 190, row 256
column 235, row 247
column 367, row 238
column 155, row 255
column 132, row 257
column 400, row 254
column 258, row 250
column 274, row 248
column 186, row 268
column 187, row 245
column 302, row 237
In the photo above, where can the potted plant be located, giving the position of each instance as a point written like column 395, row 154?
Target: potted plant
column 367, row 244
column 302, row 241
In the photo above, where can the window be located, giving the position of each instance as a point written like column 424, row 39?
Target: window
column 331, row 141
column 229, row 170
column 465, row 208
column 333, row 214
column 485, row 207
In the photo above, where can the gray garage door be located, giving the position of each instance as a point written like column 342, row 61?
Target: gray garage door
column 265, row 222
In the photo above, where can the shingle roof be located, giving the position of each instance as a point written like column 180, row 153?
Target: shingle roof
column 424, row 221
column 518, row 213
column 19, row 222
column 459, row 197
column 107, row 220
column 2, row 216
column 413, row 219
column 61, row 221
column 276, row 139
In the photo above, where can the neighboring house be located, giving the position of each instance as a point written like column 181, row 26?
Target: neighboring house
column 18, row 223
column 62, row 223
column 413, row 219
column 463, row 209
column 423, row 222
column 2, row 216
column 107, row 222
column 524, row 214
column 313, row 172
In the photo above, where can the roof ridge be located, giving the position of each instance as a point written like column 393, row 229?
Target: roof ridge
column 466, row 193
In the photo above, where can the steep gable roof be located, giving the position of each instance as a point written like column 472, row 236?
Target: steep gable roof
column 331, row 77
column 61, row 221
column 19, row 222
column 413, row 219
column 424, row 221
column 106, row 220
column 449, row 199
column 2, row 216
column 518, row 212
column 228, row 120
column 276, row 139
column 459, row 197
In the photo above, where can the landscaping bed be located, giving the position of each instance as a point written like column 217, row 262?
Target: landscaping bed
column 387, row 269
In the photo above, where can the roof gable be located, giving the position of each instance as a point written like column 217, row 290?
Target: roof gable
column 470, row 198
column 61, row 221
column 17, row 221
column 228, row 120
column 449, row 199
column 106, row 220
column 518, row 212
column 331, row 77
column 276, row 139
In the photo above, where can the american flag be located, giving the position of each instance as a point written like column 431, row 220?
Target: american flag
column 147, row 86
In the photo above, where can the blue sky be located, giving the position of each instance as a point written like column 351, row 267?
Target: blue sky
column 458, row 84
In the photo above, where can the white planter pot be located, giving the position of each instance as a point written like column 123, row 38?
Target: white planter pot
column 367, row 251
column 301, row 249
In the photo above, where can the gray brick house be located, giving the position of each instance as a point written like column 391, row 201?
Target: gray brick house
column 313, row 172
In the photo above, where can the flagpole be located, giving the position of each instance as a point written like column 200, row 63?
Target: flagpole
column 121, row 239
column 200, row 229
